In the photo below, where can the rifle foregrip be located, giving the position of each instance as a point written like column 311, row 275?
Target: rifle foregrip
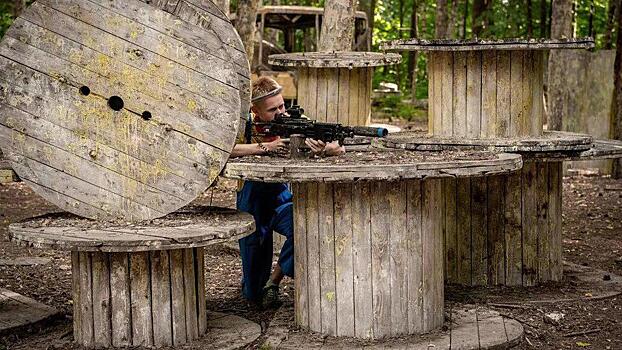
column 369, row 131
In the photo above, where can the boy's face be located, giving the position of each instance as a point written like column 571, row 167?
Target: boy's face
column 268, row 108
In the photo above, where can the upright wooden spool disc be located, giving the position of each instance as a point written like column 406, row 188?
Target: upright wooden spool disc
column 118, row 110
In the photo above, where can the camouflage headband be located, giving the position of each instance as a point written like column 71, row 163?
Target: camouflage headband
column 268, row 94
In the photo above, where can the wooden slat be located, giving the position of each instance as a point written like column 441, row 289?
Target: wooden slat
column 369, row 71
column 302, row 91
column 120, row 300
column 161, row 298
column 446, row 66
column 415, row 256
column 313, row 251
column 537, row 112
column 543, row 217
column 301, row 291
column 459, row 94
column 432, row 244
column 450, row 232
column 77, row 301
column 516, row 95
column 527, row 93
column 479, row 228
column 489, row 94
column 530, row 221
column 178, row 296
column 513, row 230
column 463, row 232
column 343, row 103
column 354, row 105
column 311, row 109
column 496, row 229
column 190, row 297
column 140, row 292
column 555, row 219
column 199, row 254
column 398, row 250
column 504, row 95
column 332, row 98
column 381, row 259
column 322, row 96
column 326, row 232
column 362, row 259
column 101, row 300
column 474, row 94
column 344, row 263
column 432, row 97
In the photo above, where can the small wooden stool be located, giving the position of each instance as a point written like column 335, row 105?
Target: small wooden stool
column 368, row 235
column 139, row 284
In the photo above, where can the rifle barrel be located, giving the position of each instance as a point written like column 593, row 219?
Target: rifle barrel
column 369, row 131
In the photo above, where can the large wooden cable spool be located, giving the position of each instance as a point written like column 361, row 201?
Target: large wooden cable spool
column 119, row 110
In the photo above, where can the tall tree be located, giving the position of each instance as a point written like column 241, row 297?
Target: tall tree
column 529, row 19
column 480, row 21
column 337, row 26
column 617, row 94
column 614, row 7
column 412, row 55
column 561, row 27
column 18, row 7
column 441, row 19
column 543, row 12
column 245, row 24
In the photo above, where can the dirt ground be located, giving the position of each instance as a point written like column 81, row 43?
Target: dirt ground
column 592, row 236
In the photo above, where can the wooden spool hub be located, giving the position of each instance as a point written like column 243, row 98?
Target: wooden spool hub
column 141, row 285
column 504, row 229
column 118, row 110
column 335, row 87
column 369, row 246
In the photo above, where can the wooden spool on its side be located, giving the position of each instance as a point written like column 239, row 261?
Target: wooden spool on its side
column 486, row 94
column 368, row 257
column 152, row 298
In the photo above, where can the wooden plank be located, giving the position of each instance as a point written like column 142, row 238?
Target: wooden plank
column 311, row 109
column 199, row 254
column 474, row 94
column 313, row 251
column 537, row 112
column 489, row 94
column 463, row 232
column 301, row 292
column 496, row 229
column 464, row 332
column 19, row 312
column 354, row 107
column 101, row 300
column 140, row 292
column 362, row 260
column 302, row 92
column 369, row 72
column 459, row 95
column 432, row 98
column 120, row 300
column 513, row 230
column 77, row 302
column 322, row 96
column 344, row 262
column 527, row 93
column 344, row 93
column 190, row 297
column 449, row 226
column 446, row 72
column 86, row 300
column 398, row 250
column 381, row 259
column 161, row 298
column 479, row 228
column 432, row 246
column 178, row 296
column 554, row 234
column 516, row 93
column 530, row 221
column 437, row 60
column 415, row 256
column 542, row 207
column 332, row 96
column 326, row 232
column 504, row 95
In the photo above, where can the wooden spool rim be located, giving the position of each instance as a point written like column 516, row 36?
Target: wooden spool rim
column 322, row 172
column 115, row 237
column 600, row 149
column 482, row 44
column 550, row 141
column 335, row 59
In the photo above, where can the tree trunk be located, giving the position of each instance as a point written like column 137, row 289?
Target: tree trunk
column 245, row 24
column 453, row 15
column 543, row 12
column 529, row 20
column 480, row 18
column 614, row 7
column 617, row 96
column 561, row 27
column 337, row 26
column 223, row 5
column 441, row 20
column 18, row 7
column 464, row 19
column 412, row 55
column 370, row 19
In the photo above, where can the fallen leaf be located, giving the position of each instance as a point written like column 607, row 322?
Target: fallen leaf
column 583, row 344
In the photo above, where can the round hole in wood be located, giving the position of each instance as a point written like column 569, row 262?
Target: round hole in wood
column 115, row 102
column 84, row 90
column 146, row 115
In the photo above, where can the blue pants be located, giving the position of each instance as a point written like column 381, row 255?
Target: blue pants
column 271, row 207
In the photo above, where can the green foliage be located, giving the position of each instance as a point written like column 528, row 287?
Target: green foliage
column 395, row 105
column 6, row 17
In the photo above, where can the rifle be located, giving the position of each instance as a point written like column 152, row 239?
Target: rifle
column 294, row 123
